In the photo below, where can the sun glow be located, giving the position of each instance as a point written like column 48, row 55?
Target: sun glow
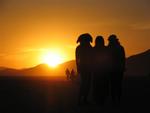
column 53, row 59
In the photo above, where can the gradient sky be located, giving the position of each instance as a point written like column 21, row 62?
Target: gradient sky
column 29, row 28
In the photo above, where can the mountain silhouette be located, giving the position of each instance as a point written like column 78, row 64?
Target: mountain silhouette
column 2, row 68
column 136, row 65
column 70, row 65
column 39, row 70
column 9, row 72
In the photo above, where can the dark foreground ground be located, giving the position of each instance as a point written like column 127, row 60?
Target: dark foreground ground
column 50, row 95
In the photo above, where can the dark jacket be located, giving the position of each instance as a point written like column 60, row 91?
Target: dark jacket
column 117, row 55
column 101, row 58
column 83, row 57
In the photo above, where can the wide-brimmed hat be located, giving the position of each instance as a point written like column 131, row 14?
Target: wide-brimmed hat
column 85, row 38
column 112, row 37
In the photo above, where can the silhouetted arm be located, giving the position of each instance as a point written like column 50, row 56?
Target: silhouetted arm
column 77, row 59
column 123, row 58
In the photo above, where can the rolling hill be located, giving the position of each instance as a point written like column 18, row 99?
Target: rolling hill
column 136, row 65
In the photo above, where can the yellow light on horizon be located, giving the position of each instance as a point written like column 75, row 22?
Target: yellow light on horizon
column 52, row 59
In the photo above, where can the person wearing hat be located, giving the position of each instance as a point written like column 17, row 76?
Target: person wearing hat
column 117, row 54
column 83, row 63
column 100, row 76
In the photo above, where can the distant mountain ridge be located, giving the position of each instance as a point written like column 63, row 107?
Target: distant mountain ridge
column 39, row 70
column 2, row 68
column 136, row 65
column 139, row 64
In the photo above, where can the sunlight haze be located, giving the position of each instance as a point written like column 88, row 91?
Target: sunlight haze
column 52, row 58
column 31, row 27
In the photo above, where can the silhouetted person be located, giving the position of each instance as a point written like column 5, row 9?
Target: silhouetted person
column 83, row 62
column 117, row 63
column 67, row 74
column 72, row 75
column 100, row 77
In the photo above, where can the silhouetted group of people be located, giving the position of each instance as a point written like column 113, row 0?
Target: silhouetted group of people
column 71, row 75
column 100, row 68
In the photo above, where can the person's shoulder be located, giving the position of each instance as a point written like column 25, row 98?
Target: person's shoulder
column 121, row 47
column 107, row 48
column 90, row 46
column 79, row 46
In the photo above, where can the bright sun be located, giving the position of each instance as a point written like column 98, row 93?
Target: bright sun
column 52, row 59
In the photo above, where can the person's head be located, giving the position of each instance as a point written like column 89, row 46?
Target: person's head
column 99, row 41
column 85, row 38
column 113, row 39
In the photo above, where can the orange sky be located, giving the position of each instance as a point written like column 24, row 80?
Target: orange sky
column 29, row 28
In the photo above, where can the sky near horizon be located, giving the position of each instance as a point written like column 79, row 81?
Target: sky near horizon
column 31, row 28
